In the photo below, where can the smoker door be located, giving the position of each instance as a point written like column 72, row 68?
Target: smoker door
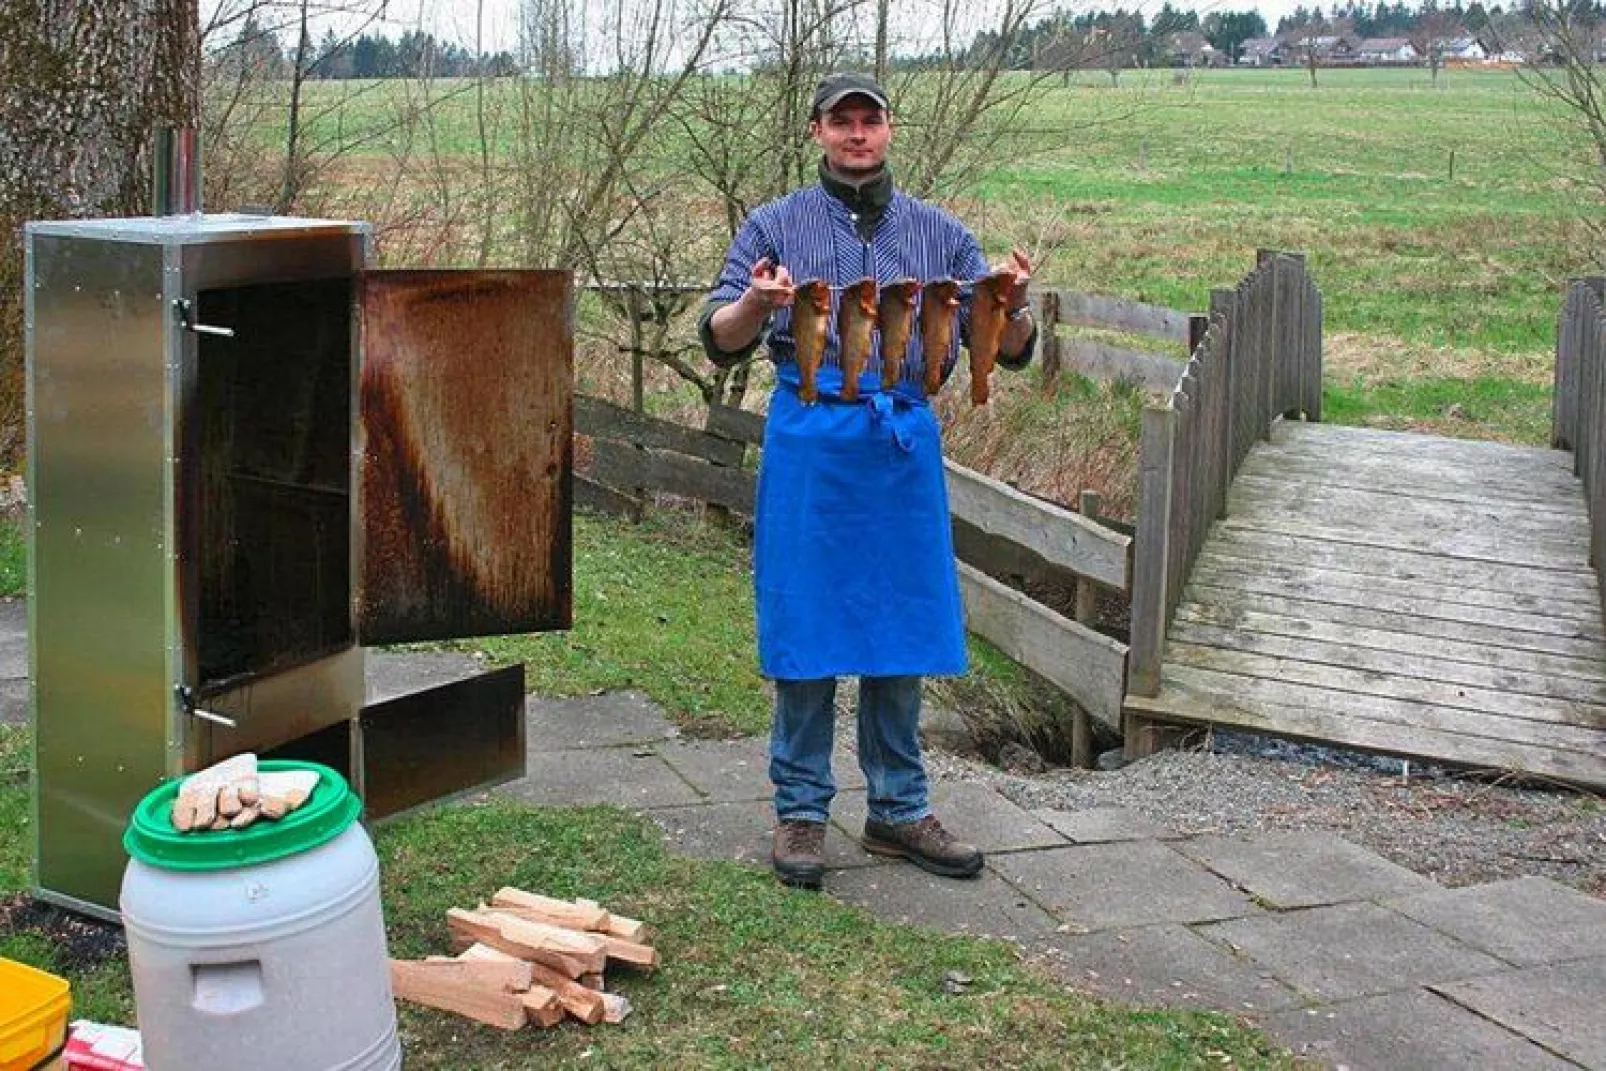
column 463, row 454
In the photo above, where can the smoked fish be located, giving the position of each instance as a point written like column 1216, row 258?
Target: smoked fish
column 938, row 308
column 897, row 316
column 856, row 320
column 989, row 314
column 811, row 316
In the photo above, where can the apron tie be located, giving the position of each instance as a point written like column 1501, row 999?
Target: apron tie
column 884, row 410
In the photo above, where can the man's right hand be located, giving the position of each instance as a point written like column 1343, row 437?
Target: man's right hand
column 770, row 288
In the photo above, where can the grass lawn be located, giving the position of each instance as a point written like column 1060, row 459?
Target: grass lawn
column 754, row 974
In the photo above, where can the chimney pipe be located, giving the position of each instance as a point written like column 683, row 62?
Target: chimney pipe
column 176, row 178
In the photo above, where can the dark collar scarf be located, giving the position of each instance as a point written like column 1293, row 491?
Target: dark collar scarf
column 868, row 199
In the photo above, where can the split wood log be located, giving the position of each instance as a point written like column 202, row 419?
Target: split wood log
column 591, row 981
column 457, row 987
column 583, row 1003
column 553, row 912
column 616, row 948
column 567, row 951
column 619, row 926
column 586, row 1005
column 503, row 972
column 543, row 1006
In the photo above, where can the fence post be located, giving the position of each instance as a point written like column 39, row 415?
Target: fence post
column 1087, row 612
column 1224, row 309
column 1290, row 270
column 1048, row 338
column 1151, row 551
column 1268, row 334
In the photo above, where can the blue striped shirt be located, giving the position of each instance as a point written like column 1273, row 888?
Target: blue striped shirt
column 812, row 234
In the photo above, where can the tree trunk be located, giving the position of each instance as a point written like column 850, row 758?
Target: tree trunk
column 83, row 83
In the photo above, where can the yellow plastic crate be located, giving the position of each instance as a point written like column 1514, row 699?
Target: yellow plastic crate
column 33, row 1015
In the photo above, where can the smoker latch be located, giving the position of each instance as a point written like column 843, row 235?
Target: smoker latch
column 183, row 309
column 186, row 698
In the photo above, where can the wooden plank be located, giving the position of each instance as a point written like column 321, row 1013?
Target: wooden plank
column 1087, row 666
column 1107, row 363
column 1540, row 488
column 1424, row 646
column 1315, row 500
column 1345, row 440
column 1381, row 737
column 1382, row 661
column 1232, row 599
column 1265, row 546
column 589, row 494
column 603, row 419
column 1424, row 600
column 457, row 987
column 1122, row 314
column 1059, row 536
column 621, row 465
column 738, row 425
column 1002, row 559
column 1340, row 679
column 1494, row 547
column 1151, row 548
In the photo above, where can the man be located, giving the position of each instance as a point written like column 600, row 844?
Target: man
column 853, row 558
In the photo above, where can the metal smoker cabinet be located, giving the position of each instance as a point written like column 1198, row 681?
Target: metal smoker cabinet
column 249, row 455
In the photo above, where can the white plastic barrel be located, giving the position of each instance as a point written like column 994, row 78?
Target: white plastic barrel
column 261, row 949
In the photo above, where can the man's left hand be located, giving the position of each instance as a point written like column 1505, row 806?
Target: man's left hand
column 1020, row 267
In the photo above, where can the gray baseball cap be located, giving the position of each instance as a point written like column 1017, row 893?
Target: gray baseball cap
column 835, row 88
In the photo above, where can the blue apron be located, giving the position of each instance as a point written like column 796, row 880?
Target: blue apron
column 853, row 566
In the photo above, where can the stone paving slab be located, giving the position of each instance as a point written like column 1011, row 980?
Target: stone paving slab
column 1167, row 964
column 973, row 813
column 392, row 673
column 742, row 831
column 1411, row 1030
column 1560, row 1007
column 618, row 776
column 739, row 769
column 14, row 639
column 14, row 700
column 1525, row 921
column 1351, row 950
column 1133, row 883
column 1303, row 868
column 1100, row 825
column 595, row 721
column 984, row 906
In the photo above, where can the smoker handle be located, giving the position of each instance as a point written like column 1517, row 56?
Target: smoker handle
column 182, row 308
column 186, row 696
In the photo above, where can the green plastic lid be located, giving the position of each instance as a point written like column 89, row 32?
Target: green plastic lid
column 152, row 839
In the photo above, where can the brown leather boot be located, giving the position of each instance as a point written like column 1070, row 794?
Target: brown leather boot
column 798, row 853
column 926, row 844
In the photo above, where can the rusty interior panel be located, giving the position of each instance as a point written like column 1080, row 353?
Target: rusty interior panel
column 466, row 422
column 266, row 515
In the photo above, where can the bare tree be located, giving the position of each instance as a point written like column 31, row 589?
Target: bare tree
column 85, row 83
column 1561, row 43
column 1311, row 42
column 1433, row 30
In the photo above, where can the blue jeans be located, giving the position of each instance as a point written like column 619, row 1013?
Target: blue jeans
column 889, row 748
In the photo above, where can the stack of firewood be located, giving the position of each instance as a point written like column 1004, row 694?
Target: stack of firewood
column 526, row 958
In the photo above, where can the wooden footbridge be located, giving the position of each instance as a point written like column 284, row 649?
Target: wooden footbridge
column 1398, row 593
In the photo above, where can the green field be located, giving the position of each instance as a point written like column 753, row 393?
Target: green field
column 1441, row 288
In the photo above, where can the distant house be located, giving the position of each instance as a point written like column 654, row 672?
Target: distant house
column 1386, row 50
column 1190, row 49
column 1329, row 48
column 1462, row 50
column 1262, row 52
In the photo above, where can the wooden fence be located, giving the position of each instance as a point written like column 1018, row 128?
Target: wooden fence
column 1255, row 358
column 1001, row 534
column 1578, row 416
column 1102, row 360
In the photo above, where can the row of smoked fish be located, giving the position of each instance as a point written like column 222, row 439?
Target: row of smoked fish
column 893, row 310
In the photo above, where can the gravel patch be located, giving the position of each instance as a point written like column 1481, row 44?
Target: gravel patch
column 1453, row 828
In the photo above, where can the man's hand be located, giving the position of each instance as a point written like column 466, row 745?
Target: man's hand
column 1020, row 267
column 770, row 288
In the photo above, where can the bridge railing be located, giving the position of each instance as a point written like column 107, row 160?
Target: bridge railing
column 1255, row 358
column 1578, row 414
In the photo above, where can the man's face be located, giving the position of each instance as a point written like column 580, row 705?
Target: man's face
column 854, row 136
